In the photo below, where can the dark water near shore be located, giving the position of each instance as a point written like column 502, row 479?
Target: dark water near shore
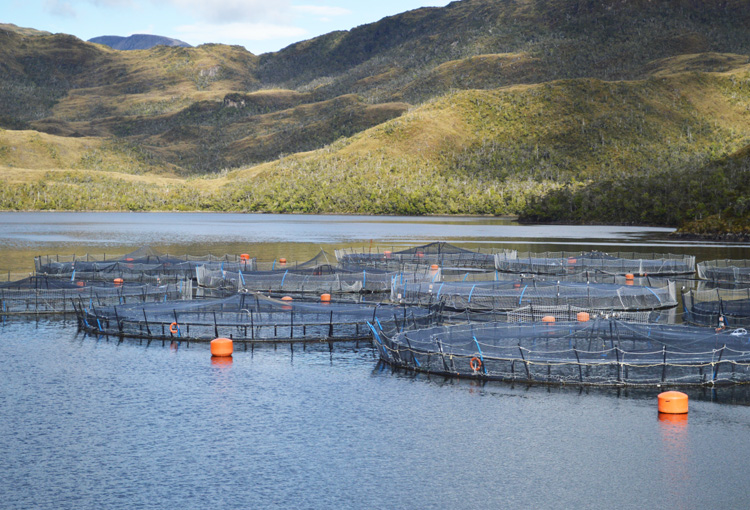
column 89, row 422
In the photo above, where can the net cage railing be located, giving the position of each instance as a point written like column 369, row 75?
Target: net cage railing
column 62, row 297
column 637, row 264
column 251, row 318
column 442, row 254
column 728, row 270
column 509, row 295
column 601, row 352
column 717, row 307
column 322, row 279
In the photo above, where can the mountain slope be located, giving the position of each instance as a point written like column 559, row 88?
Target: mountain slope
column 137, row 42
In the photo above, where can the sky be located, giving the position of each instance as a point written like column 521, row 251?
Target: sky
column 258, row 25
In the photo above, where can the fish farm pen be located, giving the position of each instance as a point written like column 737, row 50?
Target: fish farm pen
column 708, row 307
column 729, row 271
column 442, row 254
column 43, row 295
column 599, row 352
column 638, row 264
column 509, row 295
column 143, row 265
column 321, row 279
column 251, row 318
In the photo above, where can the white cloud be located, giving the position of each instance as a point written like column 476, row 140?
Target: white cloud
column 322, row 10
column 235, row 11
column 236, row 33
column 59, row 8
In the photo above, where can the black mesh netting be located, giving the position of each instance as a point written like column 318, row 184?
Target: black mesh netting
column 597, row 352
column 576, row 262
column 442, row 254
column 706, row 307
column 728, row 270
column 252, row 318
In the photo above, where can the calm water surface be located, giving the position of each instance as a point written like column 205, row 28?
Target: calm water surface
column 89, row 422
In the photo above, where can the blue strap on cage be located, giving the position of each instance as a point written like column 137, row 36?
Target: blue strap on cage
column 380, row 342
column 242, row 279
column 654, row 293
column 481, row 356
column 364, row 279
column 465, row 277
column 284, row 278
column 441, row 288
column 273, row 266
column 377, row 319
column 73, row 276
column 223, row 273
column 472, row 291
column 520, row 298
column 435, row 277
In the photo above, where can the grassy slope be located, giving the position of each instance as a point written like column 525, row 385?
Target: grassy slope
column 499, row 149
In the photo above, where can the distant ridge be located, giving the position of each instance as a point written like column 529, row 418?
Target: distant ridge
column 137, row 41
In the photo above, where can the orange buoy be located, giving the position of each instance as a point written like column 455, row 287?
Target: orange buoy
column 629, row 276
column 129, row 259
column 222, row 347
column 434, row 267
column 325, row 298
column 174, row 328
column 516, row 285
column 244, row 256
column 420, row 255
column 81, row 284
column 673, row 402
column 475, row 364
column 118, row 281
column 282, row 261
column 583, row 316
column 287, row 298
column 572, row 261
column 387, row 254
column 548, row 318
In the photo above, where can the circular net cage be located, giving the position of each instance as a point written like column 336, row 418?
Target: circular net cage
column 583, row 277
column 252, row 318
column 143, row 265
column 43, row 295
column 317, row 280
column 600, row 352
column 442, row 254
column 725, row 271
column 717, row 307
column 560, row 263
column 509, row 295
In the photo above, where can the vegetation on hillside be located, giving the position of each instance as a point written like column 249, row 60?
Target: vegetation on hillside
column 565, row 110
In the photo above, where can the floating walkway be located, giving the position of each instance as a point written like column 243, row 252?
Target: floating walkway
column 597, row 353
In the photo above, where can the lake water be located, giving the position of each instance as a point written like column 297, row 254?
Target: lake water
column 91, row 422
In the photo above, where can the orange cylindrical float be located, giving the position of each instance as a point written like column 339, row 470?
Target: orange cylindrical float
column 325, row 298
column 629, row 276
column 673, row 402
column 118, row 281
column 244, row 256
column 282, row 261
column 81, row 284
column 583, row 316
column 387, row 254
column 434, row 267
column 548, row 318
column 287, row 298
column 572, row 261
column 222, row 347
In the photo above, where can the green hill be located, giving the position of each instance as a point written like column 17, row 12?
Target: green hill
column 541, row 109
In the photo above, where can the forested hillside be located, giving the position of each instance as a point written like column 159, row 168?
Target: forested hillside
column 611, row 111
